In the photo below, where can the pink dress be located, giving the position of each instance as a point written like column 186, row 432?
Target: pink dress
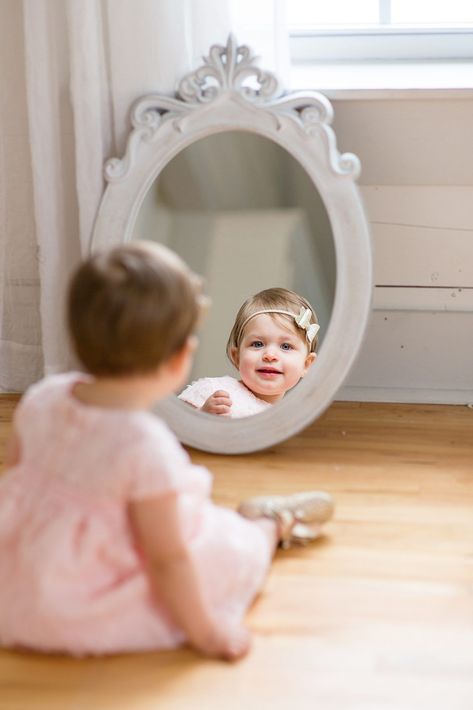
column 71, row 577
column 244, row 402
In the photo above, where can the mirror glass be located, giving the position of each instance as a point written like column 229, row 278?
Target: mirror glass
column 245, row 215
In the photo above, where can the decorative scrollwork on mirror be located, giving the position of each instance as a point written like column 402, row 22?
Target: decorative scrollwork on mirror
column 230, row 93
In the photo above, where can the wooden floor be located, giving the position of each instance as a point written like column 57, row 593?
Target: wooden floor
column 377, row 616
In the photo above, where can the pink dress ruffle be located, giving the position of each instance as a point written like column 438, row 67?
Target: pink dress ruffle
column 244, row 402
column 71, row 577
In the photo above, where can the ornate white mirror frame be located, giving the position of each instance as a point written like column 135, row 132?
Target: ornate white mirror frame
column 230, row 93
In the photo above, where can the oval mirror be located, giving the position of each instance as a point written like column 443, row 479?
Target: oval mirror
column 248, row 187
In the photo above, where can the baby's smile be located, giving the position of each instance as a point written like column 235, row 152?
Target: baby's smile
column 269, row 371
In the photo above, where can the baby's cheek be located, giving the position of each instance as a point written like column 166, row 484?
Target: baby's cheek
column 245, row 369
column 295, row 373
column 293, row 380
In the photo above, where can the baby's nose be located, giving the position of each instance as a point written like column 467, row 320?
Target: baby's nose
column 270, row 354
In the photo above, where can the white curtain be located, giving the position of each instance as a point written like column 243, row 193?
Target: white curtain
column 74, row 67
column 262, row 24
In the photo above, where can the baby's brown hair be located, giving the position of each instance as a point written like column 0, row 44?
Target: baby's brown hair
column 269, row 299
column 131, row 308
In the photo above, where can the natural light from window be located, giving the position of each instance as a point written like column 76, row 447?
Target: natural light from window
column 380, row 30
column 370, row 13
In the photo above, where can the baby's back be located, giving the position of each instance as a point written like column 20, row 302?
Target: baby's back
column 67, row 442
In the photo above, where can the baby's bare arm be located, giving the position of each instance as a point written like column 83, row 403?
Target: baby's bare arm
column 173, row 575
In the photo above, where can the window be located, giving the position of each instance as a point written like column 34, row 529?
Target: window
column 348, row 30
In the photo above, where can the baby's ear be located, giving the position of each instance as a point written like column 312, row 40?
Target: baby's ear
column 235, row 356
column 192, row 344
column 310, row 359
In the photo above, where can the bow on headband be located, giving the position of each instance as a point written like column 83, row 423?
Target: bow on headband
column 303, row 321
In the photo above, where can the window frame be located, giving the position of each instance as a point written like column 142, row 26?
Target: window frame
column 369, row 44
column 383, row 40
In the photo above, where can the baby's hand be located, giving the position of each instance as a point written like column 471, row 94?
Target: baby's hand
column 230, row 642
column 218, row 403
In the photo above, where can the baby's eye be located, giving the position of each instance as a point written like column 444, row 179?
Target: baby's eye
column 256, row 344
column 287, row 346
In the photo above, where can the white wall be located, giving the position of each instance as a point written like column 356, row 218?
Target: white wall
column 417, row 185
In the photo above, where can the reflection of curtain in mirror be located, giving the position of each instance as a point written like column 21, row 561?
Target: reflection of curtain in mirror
column 71, row 68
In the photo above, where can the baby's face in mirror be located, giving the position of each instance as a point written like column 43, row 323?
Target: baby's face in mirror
column 272, row 357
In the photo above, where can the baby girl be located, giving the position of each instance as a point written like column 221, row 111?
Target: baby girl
column 272, row 344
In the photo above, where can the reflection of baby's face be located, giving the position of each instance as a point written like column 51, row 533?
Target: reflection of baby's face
column 272, row 357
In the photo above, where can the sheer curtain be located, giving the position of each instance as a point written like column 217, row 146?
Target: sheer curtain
column 262, row 25
column 74, row 69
